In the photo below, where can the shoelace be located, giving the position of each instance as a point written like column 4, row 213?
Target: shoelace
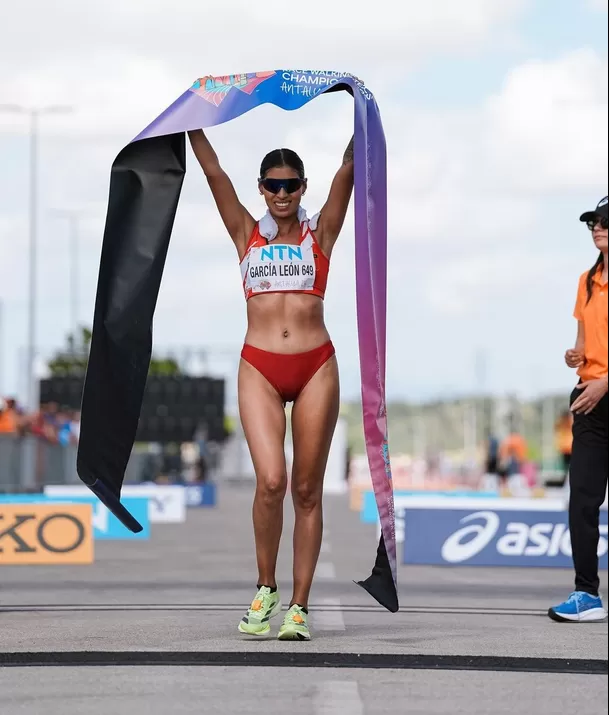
column 296, row 616
column 577, row 598
column 264, row 599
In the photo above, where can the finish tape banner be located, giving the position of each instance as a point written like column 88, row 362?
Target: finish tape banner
column 145, row 187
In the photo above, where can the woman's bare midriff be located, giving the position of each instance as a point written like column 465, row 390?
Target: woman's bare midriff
column 288, row 323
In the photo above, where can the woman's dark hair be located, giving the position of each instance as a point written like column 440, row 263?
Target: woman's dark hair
column 592, row 273
column 282, row 157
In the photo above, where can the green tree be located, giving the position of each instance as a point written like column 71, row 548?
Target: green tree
column 73, row 359
column 164, row 368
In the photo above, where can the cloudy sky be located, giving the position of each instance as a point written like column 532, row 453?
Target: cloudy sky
column 495, row 113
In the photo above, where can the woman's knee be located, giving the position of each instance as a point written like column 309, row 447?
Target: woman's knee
column 272, row 487
column 307, row 495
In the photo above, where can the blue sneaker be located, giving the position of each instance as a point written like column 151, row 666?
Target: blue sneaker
column 580, row 607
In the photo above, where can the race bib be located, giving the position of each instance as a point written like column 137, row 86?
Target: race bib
column 281, row 268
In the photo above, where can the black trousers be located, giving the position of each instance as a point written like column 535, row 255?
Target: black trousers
column 588, row 479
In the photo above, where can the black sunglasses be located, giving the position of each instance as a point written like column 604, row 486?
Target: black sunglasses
column 593, row 223
column 274, row 186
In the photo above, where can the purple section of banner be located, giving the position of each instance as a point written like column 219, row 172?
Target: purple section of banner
column 291, row 89
column 371, row 290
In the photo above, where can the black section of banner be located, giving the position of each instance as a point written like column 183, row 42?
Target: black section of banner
column 112, row 502
column 391, row 661
column 145, row 187
column 380, row 584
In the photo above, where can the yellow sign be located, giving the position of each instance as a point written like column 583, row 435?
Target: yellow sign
column 43, row 534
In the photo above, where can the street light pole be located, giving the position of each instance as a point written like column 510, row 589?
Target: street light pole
column 2, row 385
column 74, row 293
column 34, row 114
column 32, row 392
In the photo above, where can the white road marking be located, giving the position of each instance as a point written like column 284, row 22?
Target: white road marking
column 329, row 619
column 325, row 571
column 338, row 698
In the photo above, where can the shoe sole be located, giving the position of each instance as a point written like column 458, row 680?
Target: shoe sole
column 257, row 634
column 293, row 636
column 593, row 615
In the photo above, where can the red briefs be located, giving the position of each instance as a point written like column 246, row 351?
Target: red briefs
column 288, row 374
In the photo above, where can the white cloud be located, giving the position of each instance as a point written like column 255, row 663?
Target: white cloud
column 106, row 92
column 121, row 63
column 505, row 273
column 599, row 5
column 549, row 124
column 237, row 30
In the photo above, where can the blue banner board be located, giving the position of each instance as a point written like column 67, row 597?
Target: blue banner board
column 488, row 537
column 106, row 527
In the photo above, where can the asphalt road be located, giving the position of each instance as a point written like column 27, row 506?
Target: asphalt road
column 151, row 628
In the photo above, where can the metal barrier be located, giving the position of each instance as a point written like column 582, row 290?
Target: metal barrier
column 10, row 463
column 28, row 464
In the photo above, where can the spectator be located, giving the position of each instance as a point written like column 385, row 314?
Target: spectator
column 492, row 454
column 8, row 417
column 513, row 454
column 43, row 424
column 51, row 423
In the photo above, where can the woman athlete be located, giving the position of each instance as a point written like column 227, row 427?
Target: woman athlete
column 287, row 357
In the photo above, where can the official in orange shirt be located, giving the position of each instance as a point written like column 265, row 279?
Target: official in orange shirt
column 513, row 454
column 8, row 423
column 590, row 407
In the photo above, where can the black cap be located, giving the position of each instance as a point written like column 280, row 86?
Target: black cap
column 601, row 210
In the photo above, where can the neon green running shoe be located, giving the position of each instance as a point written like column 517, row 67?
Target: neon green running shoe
column 265, row 606
column 295, row 626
